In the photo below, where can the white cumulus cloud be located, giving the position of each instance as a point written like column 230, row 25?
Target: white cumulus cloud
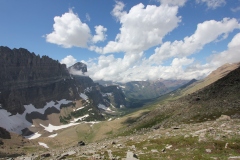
column 69, row 31
column 134, row 66
column 69, row 60
column 100, row 34
column 111, row 68
column 142, row 27
column 231, row 55
column 206, row 32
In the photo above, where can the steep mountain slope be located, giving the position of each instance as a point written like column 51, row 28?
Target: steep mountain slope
column 211, row 78
column 209, row 103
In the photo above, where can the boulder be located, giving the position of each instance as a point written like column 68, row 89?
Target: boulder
column 81, row 143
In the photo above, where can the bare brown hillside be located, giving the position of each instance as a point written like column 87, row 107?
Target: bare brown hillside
column 211, row 78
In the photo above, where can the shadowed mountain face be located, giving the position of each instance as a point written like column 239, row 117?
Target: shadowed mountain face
column 4, row 134
column 30, row 79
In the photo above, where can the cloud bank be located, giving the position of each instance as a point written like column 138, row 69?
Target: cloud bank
column 145, row 27
column 142, row 27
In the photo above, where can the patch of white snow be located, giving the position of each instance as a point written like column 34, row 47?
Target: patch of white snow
column 33, row 136
column 136, row 85
column 79, row 108
column 88, row 89
column 122, row 86
column 106, row 94
column 43, row 144
column 101, row 106
column 16, row 123
column 51, row 128
column 83, row 96
column 53, row 135
column 80, row 118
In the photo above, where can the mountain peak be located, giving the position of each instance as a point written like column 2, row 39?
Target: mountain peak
column 78, row 68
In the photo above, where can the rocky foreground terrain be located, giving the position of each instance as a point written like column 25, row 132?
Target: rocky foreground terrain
column 212, row 139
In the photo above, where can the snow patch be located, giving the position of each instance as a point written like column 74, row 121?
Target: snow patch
column 136, row 85
column 122, row 86
column 51, row 128
column 43, row 144
column 80, row 118
column 33, row 136
column 106, row 94
column 101, row 106
column 78, row 108
column 109, row 119
column 88, row 89
column 122, row 106
column 53, row 135
column 83, row 96
column 16, row 123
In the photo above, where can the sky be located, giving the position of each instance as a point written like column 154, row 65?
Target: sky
column 124, row 41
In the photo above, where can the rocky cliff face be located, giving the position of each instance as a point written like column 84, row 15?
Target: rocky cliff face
column 30, row 79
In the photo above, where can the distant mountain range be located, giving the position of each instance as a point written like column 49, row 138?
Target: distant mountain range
column 141, row 90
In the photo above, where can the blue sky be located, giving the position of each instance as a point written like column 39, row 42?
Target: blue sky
column 127, row 40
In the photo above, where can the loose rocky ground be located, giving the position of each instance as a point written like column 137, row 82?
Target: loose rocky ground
column 218, row 139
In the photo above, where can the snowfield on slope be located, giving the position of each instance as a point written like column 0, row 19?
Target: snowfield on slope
column 16, row 123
